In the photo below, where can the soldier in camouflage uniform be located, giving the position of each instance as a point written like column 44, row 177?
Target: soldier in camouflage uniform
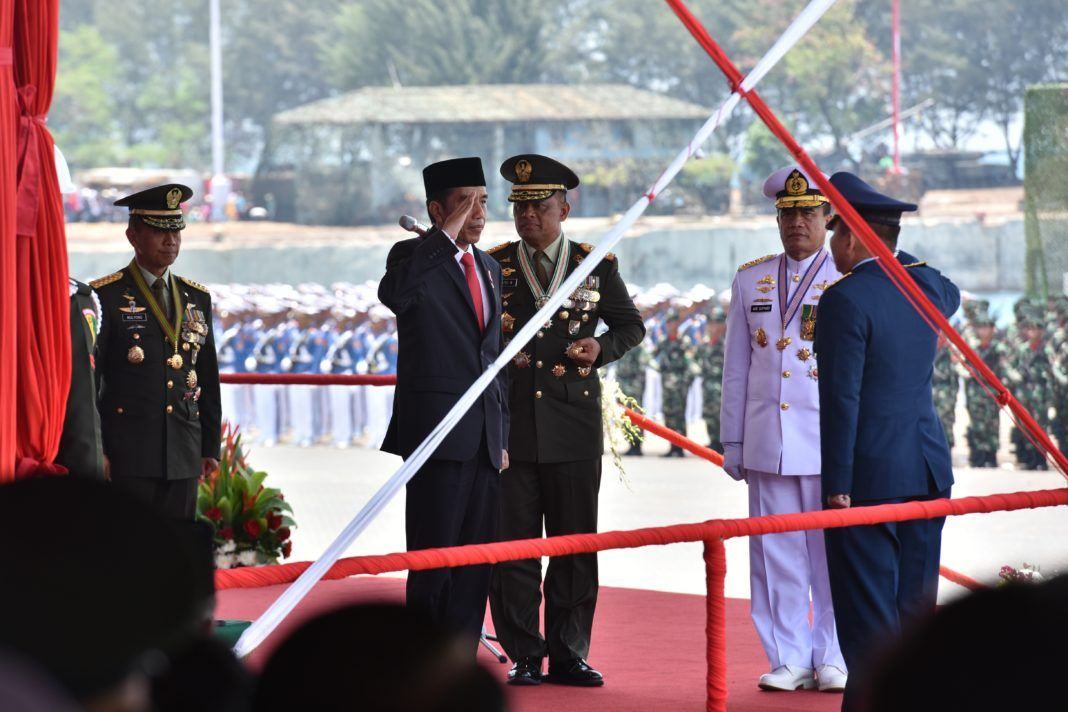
column 983, row 412
column 677, row 371
column 944, row 388
column 1030, row 378
column 1057, row 352
column 630, row 374
column 709, row 359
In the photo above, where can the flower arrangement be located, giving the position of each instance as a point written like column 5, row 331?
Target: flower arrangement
column 252, row 523
column 619, row 429
column 1027, row 573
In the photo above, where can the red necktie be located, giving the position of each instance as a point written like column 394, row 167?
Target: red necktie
column 468, row 261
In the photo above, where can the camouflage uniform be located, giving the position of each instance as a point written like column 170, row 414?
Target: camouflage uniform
column 630, row 374
column 944, row 387
column 1057, row 353
column 677, row 371
column 983, row 411
column 1030, row 378
column 709, row 359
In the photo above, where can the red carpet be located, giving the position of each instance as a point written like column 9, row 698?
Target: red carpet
column 649, row 645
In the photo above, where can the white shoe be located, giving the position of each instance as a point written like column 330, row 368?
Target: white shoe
column 831, row 678
column 788, row 678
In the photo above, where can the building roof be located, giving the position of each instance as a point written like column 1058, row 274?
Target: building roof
column 492, row 103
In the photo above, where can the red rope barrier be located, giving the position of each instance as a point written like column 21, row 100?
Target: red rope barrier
column 253, row 577
column 960, row 579
column 716, row 625
column 894, row 269
column 650, row 425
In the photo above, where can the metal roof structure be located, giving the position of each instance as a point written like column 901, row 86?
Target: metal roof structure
column 492, row 103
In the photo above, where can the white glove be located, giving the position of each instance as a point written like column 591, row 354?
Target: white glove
column 732, row 461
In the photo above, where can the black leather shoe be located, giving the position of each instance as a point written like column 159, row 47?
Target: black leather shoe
column 526, row 671
column 574, row 672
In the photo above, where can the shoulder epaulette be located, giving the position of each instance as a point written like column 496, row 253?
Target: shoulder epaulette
column 757, row 261
column 104, row 281
column 839, row 279
column 588, row 248
column 498, row 248
column 195, row 285
column 916, row 264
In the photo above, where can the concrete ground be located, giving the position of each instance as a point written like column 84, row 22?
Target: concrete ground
column 328, row 486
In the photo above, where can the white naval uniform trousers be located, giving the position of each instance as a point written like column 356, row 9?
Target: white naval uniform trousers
column 770, row 406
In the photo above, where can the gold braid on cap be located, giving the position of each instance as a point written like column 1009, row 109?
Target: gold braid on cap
column 797, row 193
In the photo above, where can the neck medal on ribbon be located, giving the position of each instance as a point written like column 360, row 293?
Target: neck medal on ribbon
column 541, row 296
column 171, row 330
column 788, row 309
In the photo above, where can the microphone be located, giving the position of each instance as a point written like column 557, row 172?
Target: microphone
column 412, row 225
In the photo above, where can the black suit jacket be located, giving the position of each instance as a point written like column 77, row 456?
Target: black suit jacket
column 441, row 351
column 555, row 407
column 154, row 423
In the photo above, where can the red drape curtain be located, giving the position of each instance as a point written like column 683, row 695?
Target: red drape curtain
column 42, row 298
column 8, row 290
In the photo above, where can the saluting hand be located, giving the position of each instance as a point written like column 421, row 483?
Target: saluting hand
column 584, row 351
column 456, row 220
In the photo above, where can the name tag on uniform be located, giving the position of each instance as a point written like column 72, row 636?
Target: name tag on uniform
column 513, row 282
column 143, row 316
column 760, row 308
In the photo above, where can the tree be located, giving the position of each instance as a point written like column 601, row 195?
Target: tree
column 425, row 42
column 83, row 115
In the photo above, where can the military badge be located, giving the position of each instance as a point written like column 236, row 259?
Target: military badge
column 175, row 361
column 783, row 342
column 135, row 355
column 521, row 360
column 813, row 372
column 761, row 337
column 573, row 327
column 803, row 354
column 796, row 184
column 808, row 322
column 559, row 370
column 174, row 198
column 565, row 314
column 507, row 271
column 821, row 285
column 764, row 290
column 584, row 370
column 766, row 279
column 191, row 380
column 585, row 317
column 510, row 283
column 185, row 346
column 92, row 322
column 507, row 323
column 523, row 170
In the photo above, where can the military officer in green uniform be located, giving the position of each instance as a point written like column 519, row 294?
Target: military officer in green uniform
column 81, row 447
column 555, row 442
column 677, row 368
column 709, row 357
column 156, row 364
column 983, row 412
column 945, row 385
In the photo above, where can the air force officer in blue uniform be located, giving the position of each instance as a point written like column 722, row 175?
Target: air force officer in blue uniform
column 881, row 439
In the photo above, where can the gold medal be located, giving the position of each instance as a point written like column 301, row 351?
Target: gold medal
column 522, row 360
column 191, row 379
column 507, row 323
column 803, row 354
column 584, row 370
column 782, row 343
column 185, row 346
column 135, row 355
column 175, row 362
column 761, row 337
column 559, row 370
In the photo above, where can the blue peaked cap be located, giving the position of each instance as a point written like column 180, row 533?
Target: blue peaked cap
column 872, row 205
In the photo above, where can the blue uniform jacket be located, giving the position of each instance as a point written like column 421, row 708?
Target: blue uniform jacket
column 880, row 437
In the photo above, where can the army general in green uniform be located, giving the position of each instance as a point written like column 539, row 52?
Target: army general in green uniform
column 156, row 364
column 555, row 443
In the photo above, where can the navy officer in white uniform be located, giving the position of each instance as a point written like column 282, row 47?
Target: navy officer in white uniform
column 770, row 430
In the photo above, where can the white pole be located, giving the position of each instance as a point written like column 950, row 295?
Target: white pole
column 220, row 184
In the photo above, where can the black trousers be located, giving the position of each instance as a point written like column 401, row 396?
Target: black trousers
column 882, row 576
column 177, row 499
column 450, row 504
column 564, row 496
